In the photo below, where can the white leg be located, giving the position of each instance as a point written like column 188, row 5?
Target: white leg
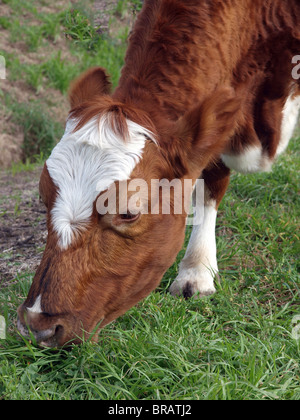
column 199, row 265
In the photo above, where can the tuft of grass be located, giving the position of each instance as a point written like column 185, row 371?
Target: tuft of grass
column 34, row 76
column 5, row 22
column 28, row 165
column 80, row 29
column 40, row 130
column 92, row 48
column 59, row 72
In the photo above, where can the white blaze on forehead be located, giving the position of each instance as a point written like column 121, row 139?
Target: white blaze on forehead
column 85, row 163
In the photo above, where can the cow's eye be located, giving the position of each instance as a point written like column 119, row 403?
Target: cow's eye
column 128, row 217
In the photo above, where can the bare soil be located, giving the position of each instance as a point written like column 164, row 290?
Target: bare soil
column 23, row 229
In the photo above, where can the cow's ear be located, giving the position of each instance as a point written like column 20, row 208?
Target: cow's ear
column 92, row 83
column 204, row 131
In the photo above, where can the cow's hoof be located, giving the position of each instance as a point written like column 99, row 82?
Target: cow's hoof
column 189, row 285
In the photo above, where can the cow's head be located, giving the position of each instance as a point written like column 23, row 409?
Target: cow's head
column 96, row 266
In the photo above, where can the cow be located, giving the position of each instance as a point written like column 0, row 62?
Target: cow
column 207, row 87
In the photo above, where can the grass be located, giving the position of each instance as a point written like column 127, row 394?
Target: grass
column 40, row 130
column 87, row 47
column 238, row 344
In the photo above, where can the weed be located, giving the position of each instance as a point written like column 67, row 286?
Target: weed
column 80, row 29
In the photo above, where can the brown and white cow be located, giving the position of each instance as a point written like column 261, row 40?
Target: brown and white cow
column 207, row 87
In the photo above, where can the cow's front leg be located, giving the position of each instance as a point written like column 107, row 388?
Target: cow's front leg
column 199, row 267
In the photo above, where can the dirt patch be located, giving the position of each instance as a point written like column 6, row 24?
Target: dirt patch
column 11, row 140
column 102, row 10
column 107, row 21
column 23, row 230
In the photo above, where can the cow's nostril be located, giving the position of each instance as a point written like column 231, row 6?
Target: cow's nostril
column 46, row 330
column 59, row 330
column 44, row 335
column 49, row 338
column 46, row 338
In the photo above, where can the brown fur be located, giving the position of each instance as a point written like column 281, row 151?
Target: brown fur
column 205, row 77
column 92, row 83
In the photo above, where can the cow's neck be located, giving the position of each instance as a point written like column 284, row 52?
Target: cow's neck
column 164, row 72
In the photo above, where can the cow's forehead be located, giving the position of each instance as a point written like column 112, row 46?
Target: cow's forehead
column 86, row 162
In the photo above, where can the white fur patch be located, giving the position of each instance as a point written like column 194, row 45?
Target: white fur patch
column 36, row 308
column 289, row 121
column 85, row 163
column 251, row 160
